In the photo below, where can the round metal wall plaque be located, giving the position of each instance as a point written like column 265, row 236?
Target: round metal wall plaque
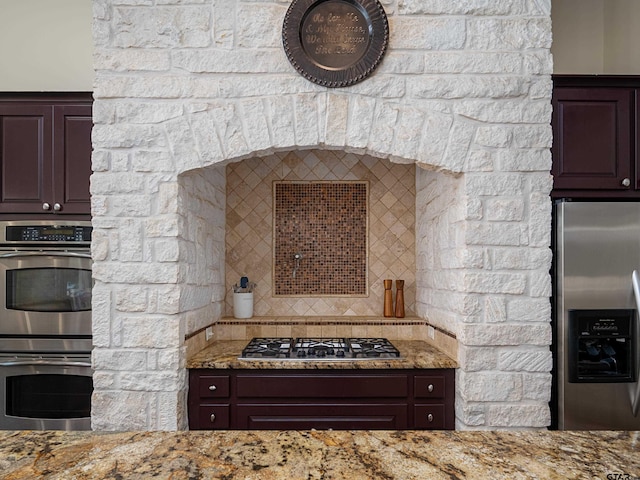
column 335, row 43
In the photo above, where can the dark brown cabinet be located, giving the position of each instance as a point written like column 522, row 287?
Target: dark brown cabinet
column 321, row 399
column 45, row 153
column 595, row 132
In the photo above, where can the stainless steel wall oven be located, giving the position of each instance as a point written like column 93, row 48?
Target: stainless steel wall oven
column 45, row 325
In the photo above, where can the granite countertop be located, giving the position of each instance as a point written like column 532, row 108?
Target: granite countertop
column 415, row 354
column 319, row 455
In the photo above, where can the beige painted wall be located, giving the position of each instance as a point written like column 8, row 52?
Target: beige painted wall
column 578, row 36
column 46, row 45
column 596, row 36
column 622, row 37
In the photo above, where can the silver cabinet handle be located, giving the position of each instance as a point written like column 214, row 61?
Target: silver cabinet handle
column 213, row 417
column 430, row 387
column 213, row 388
column 626, row 182
column 57, row 207
column 46, row 206
column 430, row 418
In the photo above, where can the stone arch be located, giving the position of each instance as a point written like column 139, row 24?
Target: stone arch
column 240, row 129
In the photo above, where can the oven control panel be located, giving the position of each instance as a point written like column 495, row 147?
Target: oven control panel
column 19, row 232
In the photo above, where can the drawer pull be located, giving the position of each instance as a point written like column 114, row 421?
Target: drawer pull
column 213, row 418
column 430, row 387
column 430, row 418
column 213, row 388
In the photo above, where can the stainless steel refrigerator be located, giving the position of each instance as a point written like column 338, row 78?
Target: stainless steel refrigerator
column 596, row 251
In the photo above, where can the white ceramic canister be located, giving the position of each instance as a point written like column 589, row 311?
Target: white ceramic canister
column 243, row 305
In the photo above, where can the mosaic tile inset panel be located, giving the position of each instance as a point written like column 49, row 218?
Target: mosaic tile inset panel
column 320, row 238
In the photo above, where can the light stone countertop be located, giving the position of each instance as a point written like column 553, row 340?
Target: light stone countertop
column 224, row 354
column 315, row 455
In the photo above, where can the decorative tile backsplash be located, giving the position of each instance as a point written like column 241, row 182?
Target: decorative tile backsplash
column 250, row 220
column 320, row 238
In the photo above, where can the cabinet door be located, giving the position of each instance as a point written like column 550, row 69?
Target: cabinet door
column 316, row 385
column 429, row 386
column 431, row 417
column 25, row 156
column 211, row 417
column 592, row 143
column 212, row 386
column 72, row 159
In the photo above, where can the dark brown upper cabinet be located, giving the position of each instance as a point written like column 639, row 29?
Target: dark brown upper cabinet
column 595, row 137
column 45, row 153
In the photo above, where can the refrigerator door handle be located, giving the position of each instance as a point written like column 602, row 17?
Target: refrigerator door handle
column 635, row 398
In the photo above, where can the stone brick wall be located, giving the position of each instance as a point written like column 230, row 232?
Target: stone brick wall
column 183, row 86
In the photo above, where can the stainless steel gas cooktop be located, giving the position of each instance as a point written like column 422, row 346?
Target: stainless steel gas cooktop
column 319, row 349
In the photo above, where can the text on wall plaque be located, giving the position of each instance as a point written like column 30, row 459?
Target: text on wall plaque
column 335, row 34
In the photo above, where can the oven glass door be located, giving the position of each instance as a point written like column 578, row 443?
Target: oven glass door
column 46, row 394
column 49, row 396
column 45, row 293
column 49, row 289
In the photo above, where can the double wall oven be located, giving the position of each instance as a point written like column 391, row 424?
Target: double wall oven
column 45, row 325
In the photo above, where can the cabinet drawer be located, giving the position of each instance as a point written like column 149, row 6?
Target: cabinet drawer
column 211, row 417
column 429, row 386
column 429, row 416
column 322, row 417
column 322, row 386
column 213, row 386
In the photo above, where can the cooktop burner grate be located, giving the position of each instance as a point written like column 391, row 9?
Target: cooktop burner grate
column 373, row 348
column 267, row 348
column 319, row 349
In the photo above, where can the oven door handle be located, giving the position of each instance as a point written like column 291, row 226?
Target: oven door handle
column 53, row 363
column 45, row 253
column 635, row 395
